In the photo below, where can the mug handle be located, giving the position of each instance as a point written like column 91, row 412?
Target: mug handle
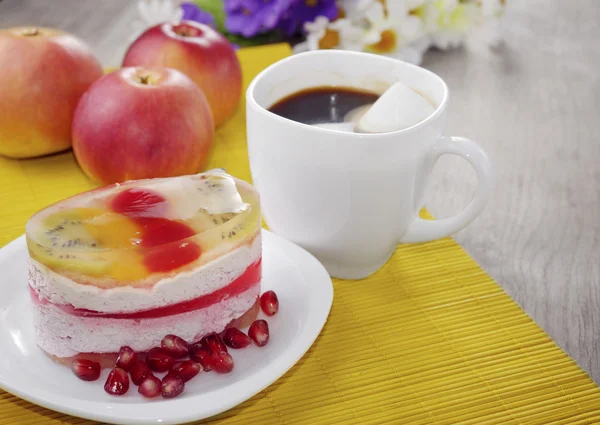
column 427, row 230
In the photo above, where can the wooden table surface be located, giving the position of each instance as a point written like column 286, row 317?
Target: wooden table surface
column 532, row 103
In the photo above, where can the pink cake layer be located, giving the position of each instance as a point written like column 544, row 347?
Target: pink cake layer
column 71, row 318
column 64, row 335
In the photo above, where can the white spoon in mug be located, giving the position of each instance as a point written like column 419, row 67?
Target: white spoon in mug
column 399, row 107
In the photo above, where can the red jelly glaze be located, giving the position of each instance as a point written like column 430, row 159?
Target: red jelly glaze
column 147, row 208
column 171, row 256
column 160, row 235
column 249, row 278
column 158, row 231
column 139, row 202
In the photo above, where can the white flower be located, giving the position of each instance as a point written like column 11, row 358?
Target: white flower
column 154, row 12
column 340, row 34
column 397, row 20
column 396, row 31
column 491, row 8
column 448, row 21
column 354, row 10
column 415, row 51
column 315, row 32
column 406, row 29
column 488, row 26
column 352, row 37
column 415, row 4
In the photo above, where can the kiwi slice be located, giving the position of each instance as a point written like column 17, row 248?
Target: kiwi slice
column 203, row 220
column 65, row 230
column 233, row 227
column 76, row 262
column 80, row 240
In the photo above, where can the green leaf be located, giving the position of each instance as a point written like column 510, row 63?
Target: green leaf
column 215, row 8
column 266, row 38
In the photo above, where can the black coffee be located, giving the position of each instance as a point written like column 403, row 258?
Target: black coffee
column 319, row 105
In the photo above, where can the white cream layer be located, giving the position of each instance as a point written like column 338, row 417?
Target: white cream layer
column 185, row 286
column 65, row 335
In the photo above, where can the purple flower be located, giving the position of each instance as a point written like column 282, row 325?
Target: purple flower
column 251, row 17
column 191, row 12
column 303, row 11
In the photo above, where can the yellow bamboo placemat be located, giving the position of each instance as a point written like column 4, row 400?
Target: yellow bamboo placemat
column 429, row 339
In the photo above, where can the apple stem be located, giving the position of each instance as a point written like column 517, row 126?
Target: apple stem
column 32, row 32
column 182, row 32
column 147, row 77
column 185, row 30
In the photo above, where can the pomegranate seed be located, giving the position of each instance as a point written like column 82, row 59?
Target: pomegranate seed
column 86, row 370
column 117, row 382
column 235, row 338
column 269, row 303
column 175, row 347
column 150, row 387
column 186, row 370
column 172, row 385
column 125, row 358
column 199, row 353
column 259, row 332
column 159, row 360
column 213, row 342
column 139, row 371
column 221, row 362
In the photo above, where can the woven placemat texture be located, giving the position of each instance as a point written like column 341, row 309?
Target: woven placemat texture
column 429, row 339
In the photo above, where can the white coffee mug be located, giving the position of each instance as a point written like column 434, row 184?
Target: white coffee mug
column 350, row 198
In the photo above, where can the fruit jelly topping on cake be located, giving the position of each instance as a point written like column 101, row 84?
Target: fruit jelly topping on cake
column 127, row 232
column 186, row 285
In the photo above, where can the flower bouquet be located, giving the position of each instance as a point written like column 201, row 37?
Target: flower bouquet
column 404, row 29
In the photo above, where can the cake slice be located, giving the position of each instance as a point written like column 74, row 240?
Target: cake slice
column 127, row 264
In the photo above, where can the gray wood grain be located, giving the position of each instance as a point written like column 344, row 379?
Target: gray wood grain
column 105, row 25
column 532, row 103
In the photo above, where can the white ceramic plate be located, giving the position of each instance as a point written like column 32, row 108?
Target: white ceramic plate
column 305, row 295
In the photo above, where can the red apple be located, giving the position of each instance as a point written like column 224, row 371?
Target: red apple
column 142, row 122
column 43, row 73
column 201, row 53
